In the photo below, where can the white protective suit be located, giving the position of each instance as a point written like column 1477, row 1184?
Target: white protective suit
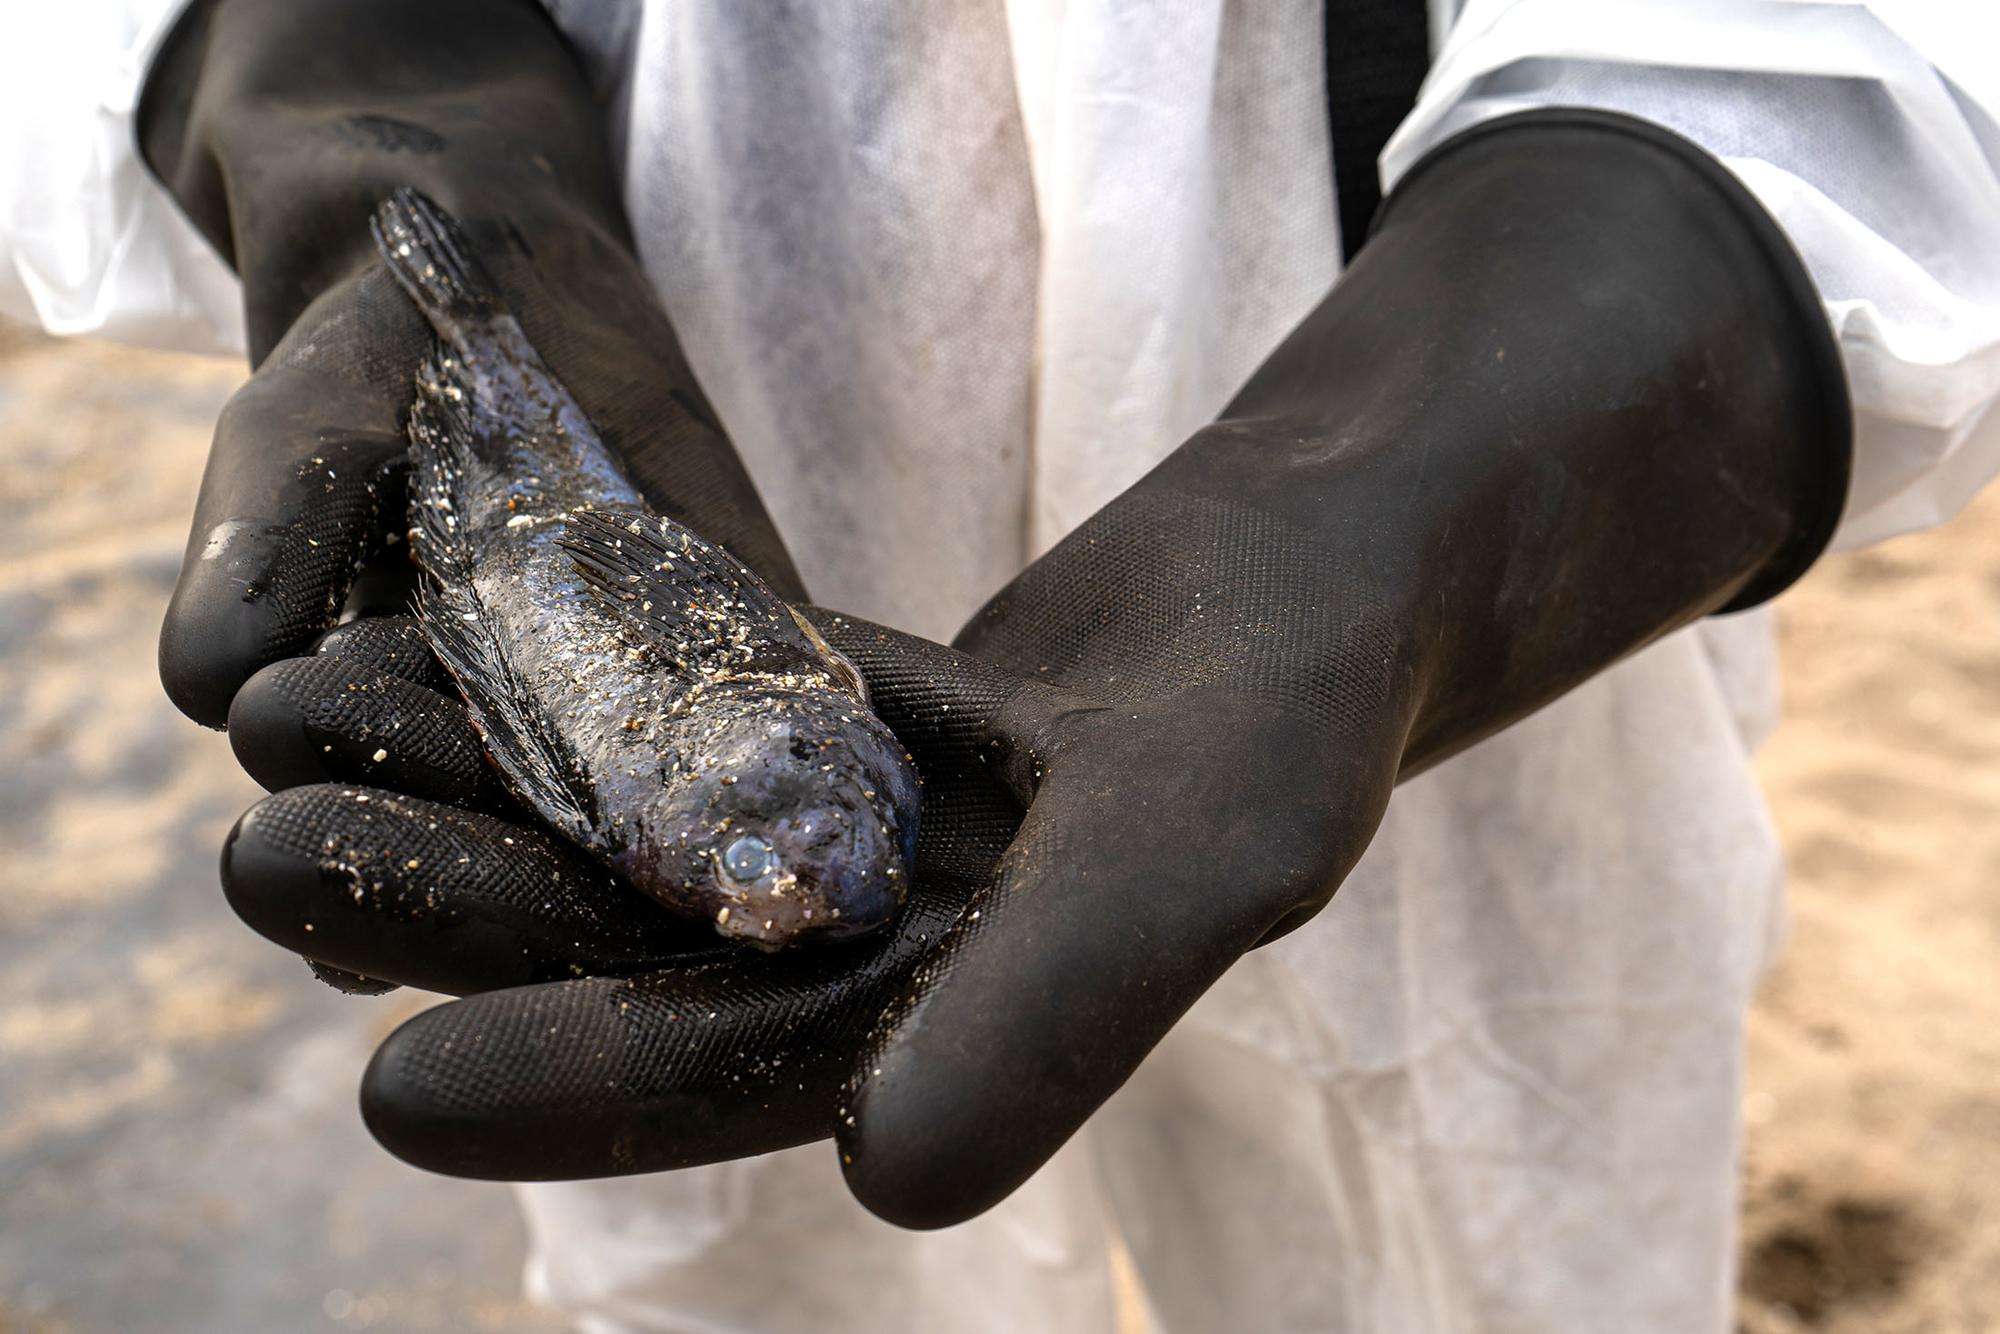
column 953, row 276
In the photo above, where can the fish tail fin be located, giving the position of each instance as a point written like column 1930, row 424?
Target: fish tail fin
column 429, row 255
column 432, row 261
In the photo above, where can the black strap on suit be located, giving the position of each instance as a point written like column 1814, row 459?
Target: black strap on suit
column 1376, row 54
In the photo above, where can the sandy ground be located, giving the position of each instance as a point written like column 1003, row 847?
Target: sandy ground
column 1872, row 1180
column 179, row 1147
column 178, row 1144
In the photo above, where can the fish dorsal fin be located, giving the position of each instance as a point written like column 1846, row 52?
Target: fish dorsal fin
column 689, row 597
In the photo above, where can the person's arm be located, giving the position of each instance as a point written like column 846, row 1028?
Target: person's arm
column 278, row 128
column 1575, row 392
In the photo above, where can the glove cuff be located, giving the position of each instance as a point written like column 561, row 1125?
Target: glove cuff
column 277, row 128
column 1797, row 319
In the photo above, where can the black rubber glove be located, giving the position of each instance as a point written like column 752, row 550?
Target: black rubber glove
column 1575, row 392
column 278, row 128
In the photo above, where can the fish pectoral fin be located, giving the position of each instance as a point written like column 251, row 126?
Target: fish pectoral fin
column 684, row 593
column 539, row 765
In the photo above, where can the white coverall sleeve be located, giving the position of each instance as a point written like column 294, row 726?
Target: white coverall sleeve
column 1866, row 129
column 90, row 243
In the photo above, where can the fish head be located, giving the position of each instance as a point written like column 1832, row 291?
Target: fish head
column 806, row 829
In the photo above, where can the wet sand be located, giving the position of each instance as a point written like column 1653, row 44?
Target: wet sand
column 179, row 1149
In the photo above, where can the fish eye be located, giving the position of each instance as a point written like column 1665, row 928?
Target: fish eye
column 748, row 858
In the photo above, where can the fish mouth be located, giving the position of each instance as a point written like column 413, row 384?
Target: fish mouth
column 781, row 910
column 774, row 883
column 799, row 878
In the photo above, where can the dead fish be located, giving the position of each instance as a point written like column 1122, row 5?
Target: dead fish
column 638, row 687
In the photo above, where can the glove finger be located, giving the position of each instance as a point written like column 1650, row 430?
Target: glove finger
column 303, row 474
column 736, row 1056
column 352, row 984
column 1137, row 878
column 601, row 1077
column 394, row 645
column 330, row 718
column 739, row 1055
column 403, row 890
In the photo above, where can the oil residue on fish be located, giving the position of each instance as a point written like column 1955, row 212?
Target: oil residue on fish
column 640, row 688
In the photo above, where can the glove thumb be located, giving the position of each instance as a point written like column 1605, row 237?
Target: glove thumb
column 303, row 477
